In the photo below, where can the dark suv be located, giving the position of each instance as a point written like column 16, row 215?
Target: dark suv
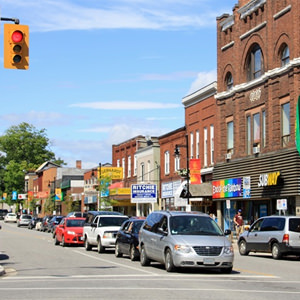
column 279, row 235
column 3, row 213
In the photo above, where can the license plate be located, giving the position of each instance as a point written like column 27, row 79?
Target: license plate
column 208, row 261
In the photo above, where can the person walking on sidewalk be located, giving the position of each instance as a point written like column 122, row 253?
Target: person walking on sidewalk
column 239, row 223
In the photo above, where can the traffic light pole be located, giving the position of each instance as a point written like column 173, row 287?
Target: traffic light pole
column 16, row 21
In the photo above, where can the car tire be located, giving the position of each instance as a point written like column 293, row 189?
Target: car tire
column 63, row 243
column 243, row 248
column 56, row 241
column 100, row 248
column 133, row 253
column 145, row 261
column 87, row 245
column 117, row 251
column 169, row 264
column 226, row 270
column 276, row 253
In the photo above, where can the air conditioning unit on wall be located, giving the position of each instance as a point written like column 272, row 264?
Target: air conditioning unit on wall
column 228, row 156
column 255, row 150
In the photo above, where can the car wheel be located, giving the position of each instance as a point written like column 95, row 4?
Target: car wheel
column 56, row 241
column 169, row 264
column 133, row 253
column 276, row 253
column 117, row 251
column 243, row 248
column 145, row 261
column 226, row 270
column 87, row 245
column 100, row 248
column 63, row 243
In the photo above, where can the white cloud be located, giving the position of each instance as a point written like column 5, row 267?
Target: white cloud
column 54, row 15
column 126, row 105
column 202, row 80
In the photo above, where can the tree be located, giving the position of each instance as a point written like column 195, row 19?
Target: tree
column 23, row 148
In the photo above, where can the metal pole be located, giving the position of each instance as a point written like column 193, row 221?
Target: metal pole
column 187, row 169
column 99, row 196
column 16, row 21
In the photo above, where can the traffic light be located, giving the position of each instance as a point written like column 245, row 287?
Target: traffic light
column 16, row 46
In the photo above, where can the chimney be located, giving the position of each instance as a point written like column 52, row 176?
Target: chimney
column 243, row 2
column 78, row 164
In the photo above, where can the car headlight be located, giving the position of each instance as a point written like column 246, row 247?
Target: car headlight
column 182, row 248
column 108, row 235
column 228, row 250
column 71, row 232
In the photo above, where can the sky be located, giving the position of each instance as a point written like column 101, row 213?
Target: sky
column 104, row 71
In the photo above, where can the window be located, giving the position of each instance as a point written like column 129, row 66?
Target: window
column 148, row 169
column 230, row 136
column 135, row 166
column 123, row 166
column 167, row 162
column 205, row 147
column 129, row 166
column 229, row 81
column 263, row 129
column 285, row 55
column 212, row 144
column 142, row 172
column 192, row 145
column 118, row 163
column 248, row 134
column 285, row 121
column 197, row 144
column 255, row 63
column 256, row 128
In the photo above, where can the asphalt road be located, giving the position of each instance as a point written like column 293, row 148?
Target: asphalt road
column 36, row 269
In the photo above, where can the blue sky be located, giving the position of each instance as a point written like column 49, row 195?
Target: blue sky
column 102, row 72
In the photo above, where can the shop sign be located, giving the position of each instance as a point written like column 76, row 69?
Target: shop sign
column 268, row 179
column 247, row 187
column 119, row 191
column 227, row 188
column 111, row 172
column 167, row 190
column 143, row 193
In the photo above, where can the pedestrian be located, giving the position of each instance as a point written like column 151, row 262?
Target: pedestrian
column 239, row 223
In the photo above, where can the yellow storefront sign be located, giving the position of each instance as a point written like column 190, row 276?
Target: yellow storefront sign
column 120, row 191
column 111, row 172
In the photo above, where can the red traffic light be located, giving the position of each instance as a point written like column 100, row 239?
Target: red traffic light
column 17, row 36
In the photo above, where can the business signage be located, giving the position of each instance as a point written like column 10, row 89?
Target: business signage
column 22, row 196
column 247, row 187
column 143, row 193
column 14, row 195
column 268, row 179
column 111, row 172
column 195, row 171
column 227, row 188
column 119, row 191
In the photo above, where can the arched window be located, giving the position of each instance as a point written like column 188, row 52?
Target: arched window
column 285, row 55
column 229, row 81
column 254, row 63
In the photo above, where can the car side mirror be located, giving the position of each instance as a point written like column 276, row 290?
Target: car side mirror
column 94, row 225
column 227, row 232
column 161, row 231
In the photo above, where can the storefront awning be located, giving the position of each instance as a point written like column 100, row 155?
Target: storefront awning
column 201, row 190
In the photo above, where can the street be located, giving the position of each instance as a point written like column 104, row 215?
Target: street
column 37, row 269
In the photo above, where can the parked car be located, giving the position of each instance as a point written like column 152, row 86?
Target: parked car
column 279, row 235
column 77, row 214
column 127, row 241
column 33, row 222
column 38, row 224
column 44, row 225
column 102, row 232
column 55, row 220
column 10, row 217
column 183, row 239
column 24, row 220
column 3, row 213
column 69, row 231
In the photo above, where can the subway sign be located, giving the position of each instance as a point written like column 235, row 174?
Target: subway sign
column 268, row 179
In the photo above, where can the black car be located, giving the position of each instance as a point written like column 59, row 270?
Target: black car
column 127, row 241
column 3, row 213
column 55, row 220
column 33, row 222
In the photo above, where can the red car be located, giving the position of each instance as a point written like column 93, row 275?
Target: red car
column 69, row 231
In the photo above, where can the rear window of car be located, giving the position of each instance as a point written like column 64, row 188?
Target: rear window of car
column 294, row 224
column 26, row 217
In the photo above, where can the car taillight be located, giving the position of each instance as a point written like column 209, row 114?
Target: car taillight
column 286, row 239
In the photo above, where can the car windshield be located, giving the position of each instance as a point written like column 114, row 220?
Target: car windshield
column 75, row 223
column 111, row 221
column 194, row 225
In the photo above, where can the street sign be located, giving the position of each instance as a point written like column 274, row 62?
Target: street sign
column 281, row 204
column 143, row 193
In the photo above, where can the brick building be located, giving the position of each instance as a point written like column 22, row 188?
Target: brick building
column 257, row 163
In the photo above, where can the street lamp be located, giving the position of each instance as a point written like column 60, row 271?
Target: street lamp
column 177, row 154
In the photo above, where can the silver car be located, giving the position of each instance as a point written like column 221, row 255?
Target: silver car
column 24, row 220
column 279, row 235
column 182, row 239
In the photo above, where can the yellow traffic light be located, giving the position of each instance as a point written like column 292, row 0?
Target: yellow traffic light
column 16, row 46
